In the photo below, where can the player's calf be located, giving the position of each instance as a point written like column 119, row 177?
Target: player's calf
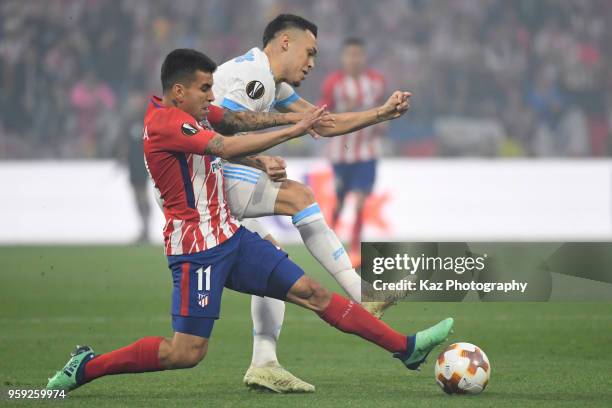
column 351, row 317
column 146, row 354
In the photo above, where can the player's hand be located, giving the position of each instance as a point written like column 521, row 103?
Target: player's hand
column 308, row 123
column 274, row 166
column 327, row 121
column 397, row 104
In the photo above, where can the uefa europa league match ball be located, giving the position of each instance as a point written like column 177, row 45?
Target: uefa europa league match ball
column 463, row 368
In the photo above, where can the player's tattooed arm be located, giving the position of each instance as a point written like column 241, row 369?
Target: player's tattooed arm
column 216, row 146
column 247, row 144
column 234, row 122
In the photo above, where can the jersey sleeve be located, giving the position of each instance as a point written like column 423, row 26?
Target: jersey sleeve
column 179, row 132
column 244, row 91
column 285, row 95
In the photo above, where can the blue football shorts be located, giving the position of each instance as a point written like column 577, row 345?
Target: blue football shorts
column 245, row 263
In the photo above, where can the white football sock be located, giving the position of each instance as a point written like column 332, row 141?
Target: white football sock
column 325, row 246
column 267, row 314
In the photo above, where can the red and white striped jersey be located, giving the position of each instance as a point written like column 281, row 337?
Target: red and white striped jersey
column 189, row 182
column 344, row 93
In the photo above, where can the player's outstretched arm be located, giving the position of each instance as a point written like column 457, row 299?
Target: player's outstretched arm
column 397, row 104
column 232, row 147
column 235, row 122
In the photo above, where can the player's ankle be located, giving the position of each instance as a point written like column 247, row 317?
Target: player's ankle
column 266, row 363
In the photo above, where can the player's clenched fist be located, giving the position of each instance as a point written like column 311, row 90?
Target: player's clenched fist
column 397, row 104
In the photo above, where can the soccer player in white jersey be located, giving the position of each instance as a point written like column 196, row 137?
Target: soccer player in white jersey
column 261, row 80
column 354, row 156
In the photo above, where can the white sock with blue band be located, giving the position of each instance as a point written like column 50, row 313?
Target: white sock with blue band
column 325, row 246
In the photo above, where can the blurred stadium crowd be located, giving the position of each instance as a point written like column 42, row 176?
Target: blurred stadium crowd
column 489, row 77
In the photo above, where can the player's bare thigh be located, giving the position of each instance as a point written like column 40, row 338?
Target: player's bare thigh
column 250, row 199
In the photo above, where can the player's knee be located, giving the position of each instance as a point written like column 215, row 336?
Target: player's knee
column 316, row 296
column 309, row 293
column 301, row 196
column 194, row 357
column 320, row 297
column 188, row 357
column 191, row 358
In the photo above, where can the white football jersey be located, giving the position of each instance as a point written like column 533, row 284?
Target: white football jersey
column 246, row 83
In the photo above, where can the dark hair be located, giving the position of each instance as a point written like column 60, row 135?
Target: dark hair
column 353, row 41
column 181, row 65
column 285, row 21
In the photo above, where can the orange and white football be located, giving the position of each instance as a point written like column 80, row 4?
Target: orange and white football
column 463, row 368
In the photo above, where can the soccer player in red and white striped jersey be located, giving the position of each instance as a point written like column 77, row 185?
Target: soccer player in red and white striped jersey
column 354, row 156
column 197, row 215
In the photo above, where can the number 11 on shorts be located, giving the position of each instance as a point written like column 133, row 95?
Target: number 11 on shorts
column 200, row 272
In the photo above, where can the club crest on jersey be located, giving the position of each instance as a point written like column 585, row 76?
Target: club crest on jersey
column 203, row 299
column 188, row 129
column 255, row 89
column 215, row 165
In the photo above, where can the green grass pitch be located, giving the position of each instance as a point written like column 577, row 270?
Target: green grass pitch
column 52, row 298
